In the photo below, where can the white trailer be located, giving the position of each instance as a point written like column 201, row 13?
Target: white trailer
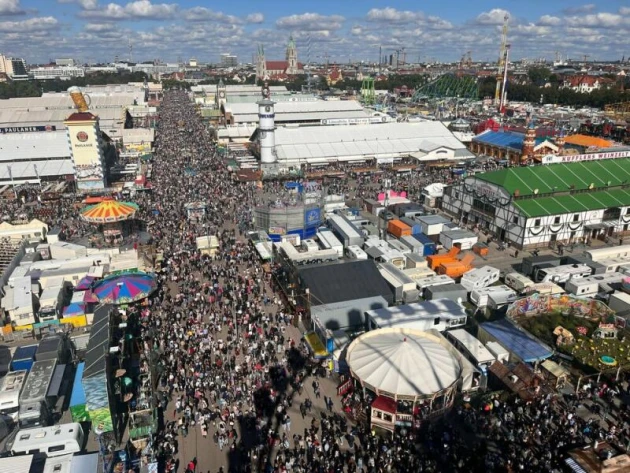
column 545, row 288
column 480, row 277
column 405, row 290
column 481, row 297
column 346, row 231
column 622, row 251
column 461, row 238
column 517, row 281
column 435, row 280
column 562, row 274
column 381, row 252
column 330, row 241
column 590, row 286
column 613, row 264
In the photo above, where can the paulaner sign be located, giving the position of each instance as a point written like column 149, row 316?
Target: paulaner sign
column 552, row 159
column 26, row 129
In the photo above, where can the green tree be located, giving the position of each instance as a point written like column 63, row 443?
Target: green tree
column 538, row 75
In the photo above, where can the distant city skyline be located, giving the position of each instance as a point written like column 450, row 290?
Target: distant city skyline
column 99, row 31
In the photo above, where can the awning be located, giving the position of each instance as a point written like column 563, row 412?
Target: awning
column 594, row 226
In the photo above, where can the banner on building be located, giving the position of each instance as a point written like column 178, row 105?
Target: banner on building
column 312, row 217
column 26, row 129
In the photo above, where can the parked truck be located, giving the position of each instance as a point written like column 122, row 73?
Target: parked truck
column 436, row 260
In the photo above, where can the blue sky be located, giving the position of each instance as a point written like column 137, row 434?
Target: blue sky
column 100, row 30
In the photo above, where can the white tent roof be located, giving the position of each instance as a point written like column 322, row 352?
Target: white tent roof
column 403, row 362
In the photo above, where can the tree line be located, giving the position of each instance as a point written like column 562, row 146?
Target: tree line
column 35, row 88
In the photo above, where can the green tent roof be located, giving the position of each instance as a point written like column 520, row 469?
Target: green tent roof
column 561, row 177
column 543, row 206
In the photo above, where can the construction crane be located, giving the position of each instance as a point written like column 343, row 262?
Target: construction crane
column 502, row 64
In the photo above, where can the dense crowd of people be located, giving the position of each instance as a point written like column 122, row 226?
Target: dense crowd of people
column 233, row 367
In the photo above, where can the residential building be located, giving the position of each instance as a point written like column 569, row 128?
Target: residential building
column 586, row 83
column 229, row 60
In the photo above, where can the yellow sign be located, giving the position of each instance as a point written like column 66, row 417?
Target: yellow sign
column 76, row 321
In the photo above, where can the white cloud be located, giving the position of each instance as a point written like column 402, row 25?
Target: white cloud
column 493, row 17
column 85, row 4
column 44, row 23
column 205, row 14
column 99, row 27
column 255, row 18
column 598, row 20
column 391, row 15
column 549, row 20
column 139, row 9
column 624, row 11
column 589, row 7
column 311, row 22
column 11, row 7
column 356, row 30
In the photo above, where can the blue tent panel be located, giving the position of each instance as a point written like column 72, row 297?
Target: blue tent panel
column 78, row 393
column 517, row 340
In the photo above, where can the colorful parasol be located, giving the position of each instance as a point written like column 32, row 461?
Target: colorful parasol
column 124, row 288
column 74, row 309
column 85, row 283
column 109, row 211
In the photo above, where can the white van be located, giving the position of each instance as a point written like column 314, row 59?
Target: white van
column 517, row 281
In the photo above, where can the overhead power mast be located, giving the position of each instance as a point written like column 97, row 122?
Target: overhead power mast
column 502, row 64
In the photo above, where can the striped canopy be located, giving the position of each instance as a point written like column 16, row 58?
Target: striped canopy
column 109, row 211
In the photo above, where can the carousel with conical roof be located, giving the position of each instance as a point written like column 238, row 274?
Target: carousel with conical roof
column 115, row 219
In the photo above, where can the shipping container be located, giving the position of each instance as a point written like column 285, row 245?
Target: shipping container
column 412, row 244
column 432, row 224
column 454, row 292
column 436, row 260
column 457, row 268
column 398, row 228
column 413, row 224
column 463, row 239
column 23, row 358
column 530, row 263
column 429, row 246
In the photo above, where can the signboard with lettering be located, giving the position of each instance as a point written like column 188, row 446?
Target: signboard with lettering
column 553, row 159
column 26, row 129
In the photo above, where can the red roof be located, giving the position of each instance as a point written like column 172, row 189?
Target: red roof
column 276, row 65
column 81, row 117
column 386, row 404
column 335, row 74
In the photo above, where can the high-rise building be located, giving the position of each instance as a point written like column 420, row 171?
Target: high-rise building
column 229, row 60
column 14, row 68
